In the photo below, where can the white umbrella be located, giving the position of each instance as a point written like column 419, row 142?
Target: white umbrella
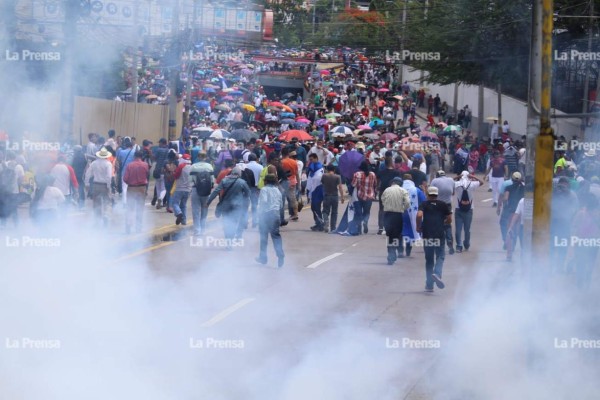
column 341, row 130
column 219, row 134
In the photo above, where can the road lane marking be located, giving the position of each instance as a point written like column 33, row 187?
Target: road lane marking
column 227, row 312
column 486, row 200
column 144, row 251
column 324, row 260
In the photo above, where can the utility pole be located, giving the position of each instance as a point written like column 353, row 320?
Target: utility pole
column 135, row 56
column 314, row 16
column 67, row 98
column 455, row 102
column 499, row 92
column 175, row 61
column 586, row 82
column 544, row 150
column 401, row 71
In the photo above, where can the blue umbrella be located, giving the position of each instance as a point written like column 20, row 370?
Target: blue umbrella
column 202, row 104
column 288, row 115
column 236, row 93
column 208, row 90
column 375, row 122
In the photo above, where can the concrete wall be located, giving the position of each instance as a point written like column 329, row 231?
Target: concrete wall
column 513, row 110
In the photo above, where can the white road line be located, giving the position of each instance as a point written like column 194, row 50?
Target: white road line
column 228, row 311
column 486, row 200
column 324, row 260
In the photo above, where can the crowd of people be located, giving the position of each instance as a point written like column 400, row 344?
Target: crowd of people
column 357, row 139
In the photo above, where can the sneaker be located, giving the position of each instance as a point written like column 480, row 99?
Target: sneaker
column 490, row 189
column 260, row 260
column 283, row 223
column 179, row 219
column 390, row 261
column 159, row 204
column 467, row 248
column 333, row 231
column 451, row 251
column 429, row 289
column 458, row 249
column 153, row 203
column 294, row 218
column 345, row 233
column 280, row 262
column 316, row 228
column 494, row 205
column 438, row 281
column 380, row 231
column 365, row 229
column 325, row 229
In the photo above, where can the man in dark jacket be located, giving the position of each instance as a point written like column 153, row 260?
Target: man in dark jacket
column 233, row 204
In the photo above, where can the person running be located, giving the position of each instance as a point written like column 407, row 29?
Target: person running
column 233, row 205
column 394, row 202
column 464, row 186
column 432, row 217
column 314, row 189
column 332, row 185
column 446, row 189
column 499, row 171
column 269, row 209
column 202, row 175
column 136, row 178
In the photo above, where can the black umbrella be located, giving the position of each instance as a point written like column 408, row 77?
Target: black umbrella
column 243, row 135
column 239, row 125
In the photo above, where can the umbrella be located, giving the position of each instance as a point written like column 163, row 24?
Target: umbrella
column 202, row 104
column 288, row 115
column 287, row 95
column 287, row 121
column 429, row 135
column 452, row 128
column 442, row 124
column 276, row 104
column 332, row 94
column 324, row 72
column 300, row 106
column 249, row 107
column 389, row 136
column 151, row 97
column 238, row 124
column 360, row 85
column 321, row 122
column 288, row 109
column 398, row 97
column 338, row 135
column 236, row 93
column 202, row 132
column 243, row 135
column 302, row 119
column 208, row 90
column 222, row 107
column 383, row 90
column 145, row 92
column 227, row 90
column 299, row 124
column 333, row 115
column 219, row 134
column 349, row 163
column 343, row 130
column 361, row 127
column 372, row 136
column 349, row 125
column 375, row 122
column 227, row 98
column 295, row 133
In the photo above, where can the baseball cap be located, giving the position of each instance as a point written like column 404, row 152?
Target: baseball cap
column 360, row 145
column 516, row 176
column 432, row 191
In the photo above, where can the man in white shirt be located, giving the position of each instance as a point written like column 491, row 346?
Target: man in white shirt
column 515, row 229
column 324, row 155
column 97, row 179
column 464, row 208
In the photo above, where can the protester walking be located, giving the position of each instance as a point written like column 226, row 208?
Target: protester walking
column 394, row 202
column 433, row 215
column 269, row 220
column 332, row 186
column 202, row 180
column 98, row 179
column 182, row 190
column 464, row 186
column 314, row 189
column 136, row 178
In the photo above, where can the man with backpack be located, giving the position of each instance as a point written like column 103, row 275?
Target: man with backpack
column 202, row 175
column 251, row 175
column 465, row 185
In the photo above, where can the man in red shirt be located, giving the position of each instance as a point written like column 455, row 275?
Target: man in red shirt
column 136, row 178
column 364, row 182
column 290, row 166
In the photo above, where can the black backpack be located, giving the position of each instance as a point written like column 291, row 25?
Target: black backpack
column 248, row 176
column 465, row 204
column 203, row 183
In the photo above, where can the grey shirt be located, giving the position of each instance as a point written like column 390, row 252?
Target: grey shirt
column 445, row 187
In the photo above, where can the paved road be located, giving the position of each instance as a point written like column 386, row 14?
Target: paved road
column 184, row 319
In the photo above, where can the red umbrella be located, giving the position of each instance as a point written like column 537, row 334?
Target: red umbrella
column 277, row 104
column 325, row 72
column 383, row 90
column 295, row 133
column 332, row 94
column 302, row 119
column 389, row 136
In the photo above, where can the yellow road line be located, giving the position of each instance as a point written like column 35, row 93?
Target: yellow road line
column 144, row 251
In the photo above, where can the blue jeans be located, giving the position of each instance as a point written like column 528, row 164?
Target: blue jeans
column 199, row 212
column 179, row 202
column 434, row 261
column 463, row 221
column 363, row 211
column 269, row 225
column 330, row 211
